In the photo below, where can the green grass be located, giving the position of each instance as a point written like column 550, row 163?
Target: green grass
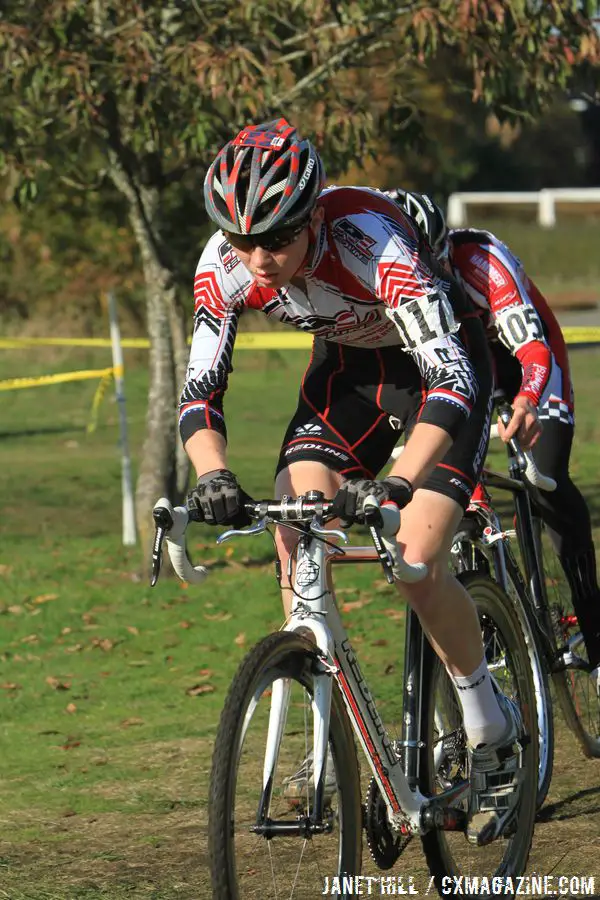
column 105, row 744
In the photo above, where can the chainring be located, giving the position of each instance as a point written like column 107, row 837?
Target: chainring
column 385, row 844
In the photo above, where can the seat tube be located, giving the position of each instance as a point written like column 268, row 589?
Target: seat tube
column 412, row 700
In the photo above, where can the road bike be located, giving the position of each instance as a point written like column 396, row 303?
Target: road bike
column 300, row 695
column 534, row 580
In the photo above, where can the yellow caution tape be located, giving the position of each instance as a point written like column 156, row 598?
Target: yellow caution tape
column 16, row 343
column 273, row 340
column 580, row 334
column 13, row 384
column 249, row 340
column 98, row 397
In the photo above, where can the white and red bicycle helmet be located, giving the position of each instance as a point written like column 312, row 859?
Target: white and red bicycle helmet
column 266, row 178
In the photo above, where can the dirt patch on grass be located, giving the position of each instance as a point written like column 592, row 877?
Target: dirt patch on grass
column 110, row 855
column 163, row 855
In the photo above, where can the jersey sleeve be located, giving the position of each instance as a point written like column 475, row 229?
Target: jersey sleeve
column 216, row 314
column 497, row 278
column 417, row 301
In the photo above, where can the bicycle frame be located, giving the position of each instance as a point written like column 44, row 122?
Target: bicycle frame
column 493, row 543
column 315, row 611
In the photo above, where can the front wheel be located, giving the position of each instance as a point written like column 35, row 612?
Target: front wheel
column 246, row 864
column 444, row 759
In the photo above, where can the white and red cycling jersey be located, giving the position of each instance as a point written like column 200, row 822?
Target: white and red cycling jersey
column 496, row 281
column 370, row 283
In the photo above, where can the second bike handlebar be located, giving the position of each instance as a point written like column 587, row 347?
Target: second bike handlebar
column 382, row 520
column 524, row 458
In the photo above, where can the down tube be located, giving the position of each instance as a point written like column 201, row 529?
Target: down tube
column 370, row 729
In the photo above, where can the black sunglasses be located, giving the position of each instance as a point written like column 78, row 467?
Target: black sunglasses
column 270, row 241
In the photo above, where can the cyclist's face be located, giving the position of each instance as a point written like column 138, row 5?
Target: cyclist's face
column 273, row 268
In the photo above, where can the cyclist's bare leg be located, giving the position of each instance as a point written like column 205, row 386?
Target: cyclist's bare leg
column 444, row 608
column 446, row 611
column 297, row 479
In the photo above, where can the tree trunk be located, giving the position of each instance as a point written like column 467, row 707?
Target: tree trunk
column 163, row 469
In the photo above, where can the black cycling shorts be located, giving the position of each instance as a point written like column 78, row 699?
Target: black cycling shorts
column 354, row 405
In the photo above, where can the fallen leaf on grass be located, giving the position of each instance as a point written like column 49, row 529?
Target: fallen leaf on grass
column 206, row 673
column 132, row 629
column 16, row 610
column 68, row 813
column 389, row 669
column 44, row 598
column 10, row 686
column 379, row 643
column 185, row 624
column 128, row 723
column 66, row 630
column 395, row 614
column 104, row 643
column 30, row 639
column 217, row 617
column 58, row 685
column 354, row 604
column 198, row 689
column 4, row 569
column 70, row 745
column 70, row 708
column 240, row 639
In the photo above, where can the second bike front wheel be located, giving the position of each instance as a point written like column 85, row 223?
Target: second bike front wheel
column 246, row 865
column 577, row 690
column 444, row 759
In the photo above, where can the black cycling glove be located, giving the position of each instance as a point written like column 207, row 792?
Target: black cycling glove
column 349, row 501
column 218, row 499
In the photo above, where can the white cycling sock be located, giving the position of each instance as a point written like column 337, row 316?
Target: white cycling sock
column 483, row 719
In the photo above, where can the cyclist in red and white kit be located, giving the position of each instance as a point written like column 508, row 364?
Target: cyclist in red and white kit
column 398, row 348
column 532, row 367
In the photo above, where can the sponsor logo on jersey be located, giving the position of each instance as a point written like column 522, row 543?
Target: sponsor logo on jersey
column 461, row 486
column 507, row 299
column 480, row 262
column 321, row 448
column 534, row 378
column 311, row 428
column 341, row 322
column 228, row 257
column 497, row 277
column 353, row 239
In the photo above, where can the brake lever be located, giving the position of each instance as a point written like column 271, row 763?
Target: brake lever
column 322, row 532
column 505, row 413
column 374, row 521
column 257, row 528
column 164, row 523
